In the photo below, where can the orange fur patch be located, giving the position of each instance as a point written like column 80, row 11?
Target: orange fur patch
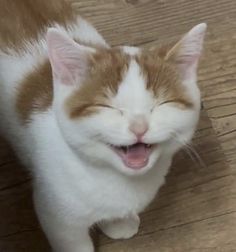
column 106, row 70
column 163, row 79
column 35, row 93
column 24, row 20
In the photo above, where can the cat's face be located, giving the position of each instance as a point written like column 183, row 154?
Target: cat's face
column 128, row 107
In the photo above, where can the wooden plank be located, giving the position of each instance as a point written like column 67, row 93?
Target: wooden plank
column 139, row 21
column 218, row 83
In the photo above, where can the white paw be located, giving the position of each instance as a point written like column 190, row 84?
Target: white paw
column 121, row 228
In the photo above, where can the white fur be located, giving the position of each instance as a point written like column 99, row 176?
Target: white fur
column 78, row 179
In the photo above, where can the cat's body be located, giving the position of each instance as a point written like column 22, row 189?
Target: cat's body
column 78, row 179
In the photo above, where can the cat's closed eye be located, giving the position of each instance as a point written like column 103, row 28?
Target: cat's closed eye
column 107, row 106
column 176, row 102
column 180, row 103
column 170, row 101
column 102, row 105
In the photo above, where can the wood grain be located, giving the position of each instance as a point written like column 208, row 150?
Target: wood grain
column 196, row 210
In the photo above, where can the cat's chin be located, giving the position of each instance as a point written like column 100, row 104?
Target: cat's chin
column 135, row 156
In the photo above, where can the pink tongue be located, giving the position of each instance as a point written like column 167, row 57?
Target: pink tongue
column 137, row 156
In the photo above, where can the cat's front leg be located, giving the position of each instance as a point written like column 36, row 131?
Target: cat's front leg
column 64, row 233
column 121, row 228
column 79, row 241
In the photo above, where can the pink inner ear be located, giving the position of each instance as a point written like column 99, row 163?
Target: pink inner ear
column 60, row 71
column 68, row 59
column 187, row 60
column 187, row 51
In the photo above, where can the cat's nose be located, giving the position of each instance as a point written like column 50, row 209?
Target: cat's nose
column 139, row 126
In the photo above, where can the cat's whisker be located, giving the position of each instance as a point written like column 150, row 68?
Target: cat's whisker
column 196, row 155
column 190, row 150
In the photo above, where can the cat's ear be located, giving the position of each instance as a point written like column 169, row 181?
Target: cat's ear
column 186, row 53
column 69, row 60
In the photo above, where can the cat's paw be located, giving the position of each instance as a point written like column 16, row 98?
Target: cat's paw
column 121, row 228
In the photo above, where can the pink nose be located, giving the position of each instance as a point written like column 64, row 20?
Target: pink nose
column 139, row 127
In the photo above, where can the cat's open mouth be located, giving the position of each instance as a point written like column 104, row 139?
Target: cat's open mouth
column 134, row 156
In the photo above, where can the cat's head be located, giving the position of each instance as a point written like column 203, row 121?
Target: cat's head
column 126, row 108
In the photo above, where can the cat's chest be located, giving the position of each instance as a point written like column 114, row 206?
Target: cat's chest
column 115, row 197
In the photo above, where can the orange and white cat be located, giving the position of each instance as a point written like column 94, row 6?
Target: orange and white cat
column 97, row 126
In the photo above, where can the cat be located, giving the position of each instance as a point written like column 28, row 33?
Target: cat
column 97, row 126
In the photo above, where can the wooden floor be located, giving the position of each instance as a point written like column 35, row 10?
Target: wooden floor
column 196, row 209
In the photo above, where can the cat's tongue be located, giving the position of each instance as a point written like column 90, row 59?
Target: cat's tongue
column 135, row 156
